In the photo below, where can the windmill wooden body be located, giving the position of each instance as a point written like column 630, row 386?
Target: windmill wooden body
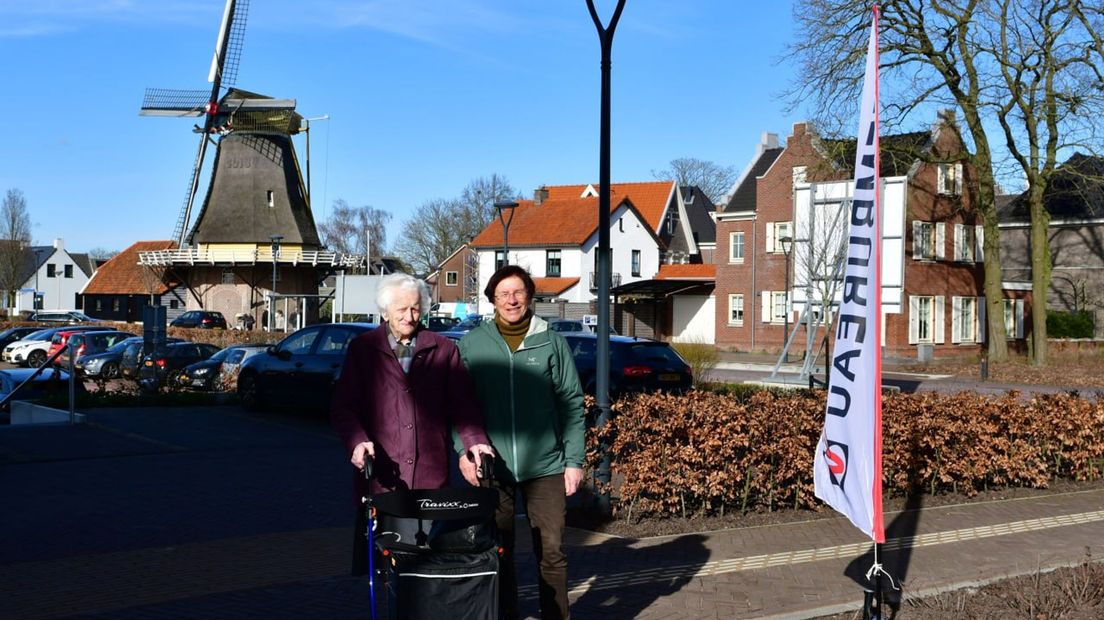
column 254, row 246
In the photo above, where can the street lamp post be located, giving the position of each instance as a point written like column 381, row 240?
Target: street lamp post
column 324, row 117
column 506, row 215
column 272, row 296
column 787, row 246
column 38, row 267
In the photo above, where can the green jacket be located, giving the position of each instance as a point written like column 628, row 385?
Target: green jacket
column 532, row 401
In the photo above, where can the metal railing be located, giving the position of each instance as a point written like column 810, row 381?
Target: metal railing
column 194, row 256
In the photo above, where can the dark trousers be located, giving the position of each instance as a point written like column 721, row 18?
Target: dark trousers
column 545, row 507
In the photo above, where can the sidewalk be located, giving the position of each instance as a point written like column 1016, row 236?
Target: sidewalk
column 216, row 513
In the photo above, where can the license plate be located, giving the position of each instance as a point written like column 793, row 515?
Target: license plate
column 670, row 376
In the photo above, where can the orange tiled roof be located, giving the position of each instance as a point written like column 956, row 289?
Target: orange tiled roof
column 122, row 275
column 565, row 218
column 687, row 272
column 554, row 286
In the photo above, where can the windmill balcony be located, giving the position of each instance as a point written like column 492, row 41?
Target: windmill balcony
column 615, row 280
column 192, row 256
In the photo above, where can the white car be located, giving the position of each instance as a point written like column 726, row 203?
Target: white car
column 21, row 347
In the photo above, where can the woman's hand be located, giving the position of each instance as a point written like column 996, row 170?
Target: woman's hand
column 470, row 461
column 359, row 451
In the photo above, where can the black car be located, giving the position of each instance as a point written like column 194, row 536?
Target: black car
column 10, row 335
column 301, row 369
column 201, row 319
column 636, row 364
column 440, row 323
column 210, row 374
column 132, row 355
column 105, row 364
column 162, row 366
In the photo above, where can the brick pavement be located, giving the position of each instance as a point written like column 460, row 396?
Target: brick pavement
column 215, row 513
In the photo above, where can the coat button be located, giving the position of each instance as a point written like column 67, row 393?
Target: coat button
column 409, row 426
column 409, row 461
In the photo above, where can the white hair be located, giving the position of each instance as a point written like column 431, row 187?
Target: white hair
column 400, row 281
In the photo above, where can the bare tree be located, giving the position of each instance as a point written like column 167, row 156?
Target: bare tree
column 1048, row 99
column 439, row 227
column 356, row 230
column 101, row 253
column 713, row 179
column 929, row 57
column 15, row 236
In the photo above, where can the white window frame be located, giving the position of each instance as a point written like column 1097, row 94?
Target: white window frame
column 948, row 179
column 733, row 255
column 923, row 240
column 775, row 231
column 967, row 320
column 934, row 319
column 800, row 174
column 736, row 309
column 553, row 255
column 452, row 278
column 1013, row 318
column 965, row 243
column 635, row 260
column 779, row 299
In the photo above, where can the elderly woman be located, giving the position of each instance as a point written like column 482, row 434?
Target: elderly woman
column 402, row 389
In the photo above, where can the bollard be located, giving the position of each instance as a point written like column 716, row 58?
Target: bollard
column 984, row 367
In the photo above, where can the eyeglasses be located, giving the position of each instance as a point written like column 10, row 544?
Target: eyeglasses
column 518, row 295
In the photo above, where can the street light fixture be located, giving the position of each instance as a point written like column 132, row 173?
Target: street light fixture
column 787, row 246
column 272, row 296
column 506, row 215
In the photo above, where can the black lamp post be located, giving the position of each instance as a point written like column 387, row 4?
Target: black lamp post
column 272, row 296
column 787, row 245
column 34, row 298
column 601, row 389
column 506, row 215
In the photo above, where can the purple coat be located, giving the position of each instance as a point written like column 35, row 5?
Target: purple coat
column 408, row 417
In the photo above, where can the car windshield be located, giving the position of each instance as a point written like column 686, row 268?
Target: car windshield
column 118, row 347
column 81, row 316
column 42, row 334
column 221, row 355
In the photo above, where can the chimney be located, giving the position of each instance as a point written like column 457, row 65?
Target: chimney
column 799, row 129
column 540, row 195
column 769, row 140
column 59, row 244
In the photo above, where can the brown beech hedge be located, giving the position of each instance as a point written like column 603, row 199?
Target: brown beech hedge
column 704, row 453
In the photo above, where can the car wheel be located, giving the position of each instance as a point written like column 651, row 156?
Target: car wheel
column 110, row 370
column 249, row 392
column 173, row 379
column 36, row 358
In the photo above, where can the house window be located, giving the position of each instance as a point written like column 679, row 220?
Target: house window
column 776, row 232
column 552, row 263
column 452, row 278
column 965, row 319
column 51, row 270
column 500, row 259
column 228, row 276
column 672, row 219
column 68, row 271
column 965, row 243
column 736, row 247
column 924, row 318
column 636, row 263
column 799, row 174
column 270, row 198
column 923, row 241
column 949, row 179
column 1009, row 317
column 735, row 309
column 778, row 306
column 173, row 304
column 99, row 305
column 116, row 305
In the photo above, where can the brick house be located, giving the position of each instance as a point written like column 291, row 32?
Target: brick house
column 776, row 240
column 456, row 278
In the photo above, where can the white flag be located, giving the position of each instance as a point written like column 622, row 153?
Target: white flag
column 847, row 468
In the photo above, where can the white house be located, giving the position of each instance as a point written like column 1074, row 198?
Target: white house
column 52, row 276
column 555, row 238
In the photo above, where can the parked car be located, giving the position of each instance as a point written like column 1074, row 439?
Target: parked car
column 14, row 334
column 636, row 364
column 301, row 369
column 162, row 366
column 34, row 349
column 104, row 364
column 67, row 317
column 567, row 325
column 201, row 319
column 440, row 323
column 132, row 355
column 51, row 381
column 468, row 324
column 88, row 343
column 213, row 373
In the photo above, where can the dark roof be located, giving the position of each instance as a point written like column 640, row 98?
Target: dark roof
column 236, row 210
column 698, row 210
column 899, row 152
column 1075, row 192
column 744, row 198
column 84, row 261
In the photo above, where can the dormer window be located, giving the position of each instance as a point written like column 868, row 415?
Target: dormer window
column 271, row 198
column 949, row 179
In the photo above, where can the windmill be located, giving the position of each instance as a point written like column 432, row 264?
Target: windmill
column 235, row 112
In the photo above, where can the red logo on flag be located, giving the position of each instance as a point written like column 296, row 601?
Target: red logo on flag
column 836, row 456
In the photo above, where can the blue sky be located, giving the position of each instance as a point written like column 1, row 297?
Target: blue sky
column 423, row 97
